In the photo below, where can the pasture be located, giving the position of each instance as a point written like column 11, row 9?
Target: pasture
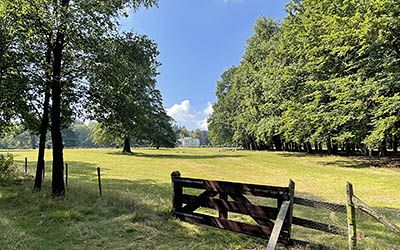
column 134, row 210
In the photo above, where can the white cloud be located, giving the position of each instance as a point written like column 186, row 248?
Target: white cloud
column 208, row 110
column 185, row 115
column 182, row 112
column 203, row 124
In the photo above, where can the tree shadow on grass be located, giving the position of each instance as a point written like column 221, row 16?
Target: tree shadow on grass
column 364, row 162
column 177, row 156
column 348, row 164
column 296, row 154
column 351, row 161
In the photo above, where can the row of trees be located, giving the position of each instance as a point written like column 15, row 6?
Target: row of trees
column 327, row 77
column 78, row 135
column 92, row 135
column 66, row 59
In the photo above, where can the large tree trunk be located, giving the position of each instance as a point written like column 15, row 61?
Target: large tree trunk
column 347, row 148
column 329, row 146
column 277, row 142
column 394, row 144
column 364, row 150
column 308, row 147
column 44, row 125
column 335, row 149
column 383, row 149
column 58, row 188
column 127, row 145
column 42, row 143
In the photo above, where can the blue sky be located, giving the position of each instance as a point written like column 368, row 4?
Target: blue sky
column 198, row 40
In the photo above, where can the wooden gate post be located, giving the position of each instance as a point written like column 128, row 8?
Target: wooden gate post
column 351, row 218
column 177, row 192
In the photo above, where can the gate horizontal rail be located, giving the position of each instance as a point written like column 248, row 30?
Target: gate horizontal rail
column 185, row 206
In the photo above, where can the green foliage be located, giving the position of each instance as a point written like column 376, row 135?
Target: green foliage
column 196, row 133
column 221, row 120
column 102, row 137
column 123, row 95
column 328, row 74
column 58, row 41
column 7, row 168
column 18, row 139
column 13, row 84
column 184, row 132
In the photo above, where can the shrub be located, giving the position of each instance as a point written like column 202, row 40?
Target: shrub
column 7, row 167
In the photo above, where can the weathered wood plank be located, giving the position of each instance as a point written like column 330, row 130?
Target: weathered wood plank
column 232, row 206
column 262, row 221
column 223, row 212
column 276, row 232
column 376, row 215
column 196, row 203
column 320, row 204
column 235, row 188
column 235, row 226
column 319, row 226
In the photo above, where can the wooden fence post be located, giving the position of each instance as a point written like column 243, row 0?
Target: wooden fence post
column 351, row 218
column 26, row 165
column 99, row 178
column 290, row 212
column 177, row 192
column 66, row 174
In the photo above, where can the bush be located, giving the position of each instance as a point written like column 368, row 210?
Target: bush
column 7, row 167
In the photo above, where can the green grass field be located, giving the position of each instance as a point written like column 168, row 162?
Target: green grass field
column 134, row 210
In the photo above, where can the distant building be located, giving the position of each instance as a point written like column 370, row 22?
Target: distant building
column 189, row 142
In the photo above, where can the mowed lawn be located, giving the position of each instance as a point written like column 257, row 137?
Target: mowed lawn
column 134, row 210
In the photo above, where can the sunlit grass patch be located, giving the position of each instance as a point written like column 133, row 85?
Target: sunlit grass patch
column 134, row 212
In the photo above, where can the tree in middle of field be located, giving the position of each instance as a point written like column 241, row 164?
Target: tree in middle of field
column 122, row 95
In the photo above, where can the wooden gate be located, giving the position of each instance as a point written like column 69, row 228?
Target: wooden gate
column 273, row 223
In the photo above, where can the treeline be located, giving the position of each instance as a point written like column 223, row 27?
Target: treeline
column 327, row 78
column 89, row 135
column 78, row 135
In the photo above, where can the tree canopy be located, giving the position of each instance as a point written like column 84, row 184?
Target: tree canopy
column 62, row 53
column 327, row 76
column 122, row 95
